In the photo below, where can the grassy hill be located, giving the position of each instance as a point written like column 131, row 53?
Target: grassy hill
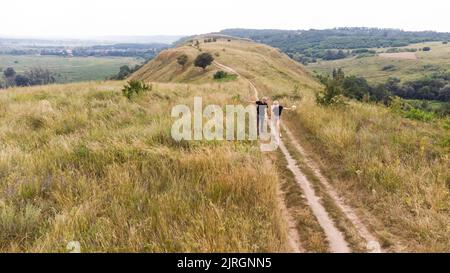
column 80, row 162
column 272, row 71
column 382, row 66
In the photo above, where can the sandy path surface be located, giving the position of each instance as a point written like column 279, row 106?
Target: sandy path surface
column 373, row 246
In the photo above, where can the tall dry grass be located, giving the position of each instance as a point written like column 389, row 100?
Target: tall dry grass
column 397, row 169
column 80, row 162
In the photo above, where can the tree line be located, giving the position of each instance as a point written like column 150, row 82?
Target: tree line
column 33, row 76
column 309, row 45
column 337, row 85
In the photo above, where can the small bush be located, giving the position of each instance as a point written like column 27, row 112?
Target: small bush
column 220, row 75
column 134, row 87
column 224, row 76
column 182, row 59
column 331, row 95
column 427, row 48
column 418, row 114
column 389, row 67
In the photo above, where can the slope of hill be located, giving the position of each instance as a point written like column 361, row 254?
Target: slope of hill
column 387, row 166
column 272, row 70
column 82, row 163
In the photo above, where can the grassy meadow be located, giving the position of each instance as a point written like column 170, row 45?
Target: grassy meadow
column 394, row 170
column 75, row 69
column 371, row 68
column 79, row 162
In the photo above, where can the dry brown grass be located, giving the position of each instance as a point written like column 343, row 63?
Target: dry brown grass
column 396, row 169
column 80, row 162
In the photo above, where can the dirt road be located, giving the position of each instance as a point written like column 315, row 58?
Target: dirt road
column 335, row 237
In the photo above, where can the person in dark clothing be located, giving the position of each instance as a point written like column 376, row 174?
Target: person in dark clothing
column 261, row 108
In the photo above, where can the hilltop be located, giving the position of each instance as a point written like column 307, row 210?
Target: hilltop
column 272, row 70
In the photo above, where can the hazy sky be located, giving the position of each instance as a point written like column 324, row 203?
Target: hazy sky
column 85, row 18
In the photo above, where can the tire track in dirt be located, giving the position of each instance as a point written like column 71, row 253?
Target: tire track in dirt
column 373, row 246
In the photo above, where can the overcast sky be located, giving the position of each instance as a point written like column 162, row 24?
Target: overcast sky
column 85, row 18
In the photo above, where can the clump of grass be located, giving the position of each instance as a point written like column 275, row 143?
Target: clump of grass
column 135, row 87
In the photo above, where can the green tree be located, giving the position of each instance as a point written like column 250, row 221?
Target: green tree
column 182, row 60
column 9, row 72
column 331, row 95
column 203, row 60
column 22, row 80
column 124, row 71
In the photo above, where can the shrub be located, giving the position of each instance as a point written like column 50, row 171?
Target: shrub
column 134, row 87
column 224, row 76
column 22, row 80
column 124, row 71
column 331, row 95
column 220, row 75
column 9, row 72
column 389, row 67
column 418, row 114
column 427, row 48
column 203, row 60
column 182, row 59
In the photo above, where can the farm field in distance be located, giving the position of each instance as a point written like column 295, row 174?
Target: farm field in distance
column 72, row 69
column 374, row 68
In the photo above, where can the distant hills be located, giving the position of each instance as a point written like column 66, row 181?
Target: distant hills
column 88, row 41
column 308, row 45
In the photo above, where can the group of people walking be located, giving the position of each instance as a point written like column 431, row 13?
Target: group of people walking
column 271, row 111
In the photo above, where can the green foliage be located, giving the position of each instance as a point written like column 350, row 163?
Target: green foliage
column 203, row 60
column 308, row 45
column 418, row 114
column 134, row 87
column 220, row 75
column 352, row 87
column 355, row 87
column 334, row 55
column 124, row 71
column 9, row 72
column 22, row 80
column 224, row 76
column 40, row 76
column 389, row 67
column 331, row 95
column 182, row 59
column 407, row 110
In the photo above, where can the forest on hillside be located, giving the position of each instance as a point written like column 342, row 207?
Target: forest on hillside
column 309, row 45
